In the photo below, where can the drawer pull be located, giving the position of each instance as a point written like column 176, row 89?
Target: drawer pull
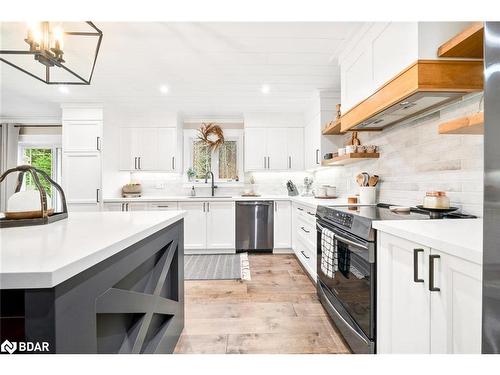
column 304, row 254
column 310, row 213
column 163, row 206
column 300, row 209
column 305, row 230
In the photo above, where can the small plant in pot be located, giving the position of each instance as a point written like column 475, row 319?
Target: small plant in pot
column 191, row 174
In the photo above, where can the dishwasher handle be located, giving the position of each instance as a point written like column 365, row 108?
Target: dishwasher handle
column 260, row 203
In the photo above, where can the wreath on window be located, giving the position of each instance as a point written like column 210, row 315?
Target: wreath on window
column 212, row 135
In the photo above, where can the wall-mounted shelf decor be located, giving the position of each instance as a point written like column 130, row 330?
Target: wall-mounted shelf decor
column 350, row 158
column 472, row 124
column 467, row 44
column 333, row 128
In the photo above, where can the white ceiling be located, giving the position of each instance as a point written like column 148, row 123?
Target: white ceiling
column 210, row 68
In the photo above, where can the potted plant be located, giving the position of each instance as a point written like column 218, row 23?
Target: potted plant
column 190, row 173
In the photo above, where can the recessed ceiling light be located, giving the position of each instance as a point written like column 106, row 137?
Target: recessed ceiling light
column 63, row 89
column 265, row 89
column 164, row 89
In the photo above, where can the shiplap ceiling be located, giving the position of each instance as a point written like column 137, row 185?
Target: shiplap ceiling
column 209, row 68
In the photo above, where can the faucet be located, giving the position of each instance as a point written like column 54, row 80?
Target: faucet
column 206, row 181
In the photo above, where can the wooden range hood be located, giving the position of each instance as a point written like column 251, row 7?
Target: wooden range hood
column 424, row 85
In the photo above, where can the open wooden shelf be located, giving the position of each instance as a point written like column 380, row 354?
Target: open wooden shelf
column 473, row 124
column 350, row 158
column 467, row 44
column 333, row 128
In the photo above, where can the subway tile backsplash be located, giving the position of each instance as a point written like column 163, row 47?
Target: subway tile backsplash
column 414, row 159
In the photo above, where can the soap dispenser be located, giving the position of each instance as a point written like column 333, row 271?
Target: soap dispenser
column 193, row 192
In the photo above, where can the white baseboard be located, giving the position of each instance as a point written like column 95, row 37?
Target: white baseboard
column 282, row 251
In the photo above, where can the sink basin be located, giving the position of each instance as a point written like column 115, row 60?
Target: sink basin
column 210, row 197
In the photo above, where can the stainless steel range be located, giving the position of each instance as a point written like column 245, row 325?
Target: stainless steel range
column 348, row 292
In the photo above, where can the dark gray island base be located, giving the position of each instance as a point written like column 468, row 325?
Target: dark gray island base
column 132, row 302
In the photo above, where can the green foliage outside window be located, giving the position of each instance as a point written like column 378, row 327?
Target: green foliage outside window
column 40, row 158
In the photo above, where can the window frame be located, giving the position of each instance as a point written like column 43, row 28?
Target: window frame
column 191, row 135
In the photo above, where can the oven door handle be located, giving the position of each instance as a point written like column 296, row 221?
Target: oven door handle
column 350, row 242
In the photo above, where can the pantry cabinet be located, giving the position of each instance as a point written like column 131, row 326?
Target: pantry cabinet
column 81, row 171
column 428, row 301
column 282, row 225
column 148, row 149
column 274, row 149
column 209, row 227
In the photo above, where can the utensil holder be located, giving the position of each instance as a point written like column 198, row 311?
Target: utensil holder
column 367, row 194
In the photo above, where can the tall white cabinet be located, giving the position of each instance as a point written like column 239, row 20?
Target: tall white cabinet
column 428, row 301
column 81, row 157
column 274, row 149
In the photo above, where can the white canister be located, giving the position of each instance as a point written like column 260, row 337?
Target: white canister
column 350, row 149
column 341, row 151
column 331, row 191
column 367, row 194
column 321, row 191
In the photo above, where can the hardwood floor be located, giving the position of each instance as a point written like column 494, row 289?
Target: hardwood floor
column 276, row 312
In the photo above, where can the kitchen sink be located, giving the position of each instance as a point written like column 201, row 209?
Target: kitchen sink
column 210, row 197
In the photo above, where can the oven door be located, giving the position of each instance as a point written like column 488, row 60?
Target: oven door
column 353, row 283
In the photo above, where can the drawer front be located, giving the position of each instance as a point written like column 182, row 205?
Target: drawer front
column 307, row 257
column 163, row 206
column 306, row 232
column 306, row 213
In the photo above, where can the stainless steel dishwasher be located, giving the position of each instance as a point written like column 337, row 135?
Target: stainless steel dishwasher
column 254, row 226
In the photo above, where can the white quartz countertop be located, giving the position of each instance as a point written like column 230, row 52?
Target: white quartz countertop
column 308, row 201
column 459, row 237
column 43, row 256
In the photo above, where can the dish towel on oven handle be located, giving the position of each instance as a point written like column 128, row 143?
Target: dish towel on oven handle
column 329, row 256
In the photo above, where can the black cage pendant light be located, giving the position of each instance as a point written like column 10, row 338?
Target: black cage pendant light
column 45, row 42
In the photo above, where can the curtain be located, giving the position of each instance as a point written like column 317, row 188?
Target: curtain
column 9, row 138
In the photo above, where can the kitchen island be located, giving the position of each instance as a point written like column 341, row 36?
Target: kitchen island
column 98, row 282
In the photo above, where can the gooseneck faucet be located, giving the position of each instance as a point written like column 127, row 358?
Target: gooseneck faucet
column 213, row 182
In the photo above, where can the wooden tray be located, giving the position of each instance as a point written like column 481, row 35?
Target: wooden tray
column 26, row 214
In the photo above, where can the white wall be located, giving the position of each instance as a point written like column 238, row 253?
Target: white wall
column 274, row 120
column 415, row 159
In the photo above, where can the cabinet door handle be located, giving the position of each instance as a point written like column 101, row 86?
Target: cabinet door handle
column 305, row 230
column 265, row 162
column 268, row 162
column 97, row 195
column 208, row 206
column 173, row 162
column 275, row 206
column 317, row 156
column 415, row 265
column 304, row 254
column 135, row 162
column 289, row 162
column 98, row 145
column 203, row 206
column 432, row 288
column 139, row 163
column 300, row 209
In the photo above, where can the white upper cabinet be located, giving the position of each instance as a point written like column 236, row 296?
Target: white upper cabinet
column 277, row 150
column 82, row 135
column 295, row 147
column 148, row 149
column 381, row 50
column 167, row 149
column 274, row 149
column 255, row 149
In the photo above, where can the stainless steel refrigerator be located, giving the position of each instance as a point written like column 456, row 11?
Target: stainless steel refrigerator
column 491, row 229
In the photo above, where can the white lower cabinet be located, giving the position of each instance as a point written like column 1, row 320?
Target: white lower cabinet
column 220, row 225
column 427, row 301
column 81, row 180
column 282, row 225
column 304, row 237
column 209, row 226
